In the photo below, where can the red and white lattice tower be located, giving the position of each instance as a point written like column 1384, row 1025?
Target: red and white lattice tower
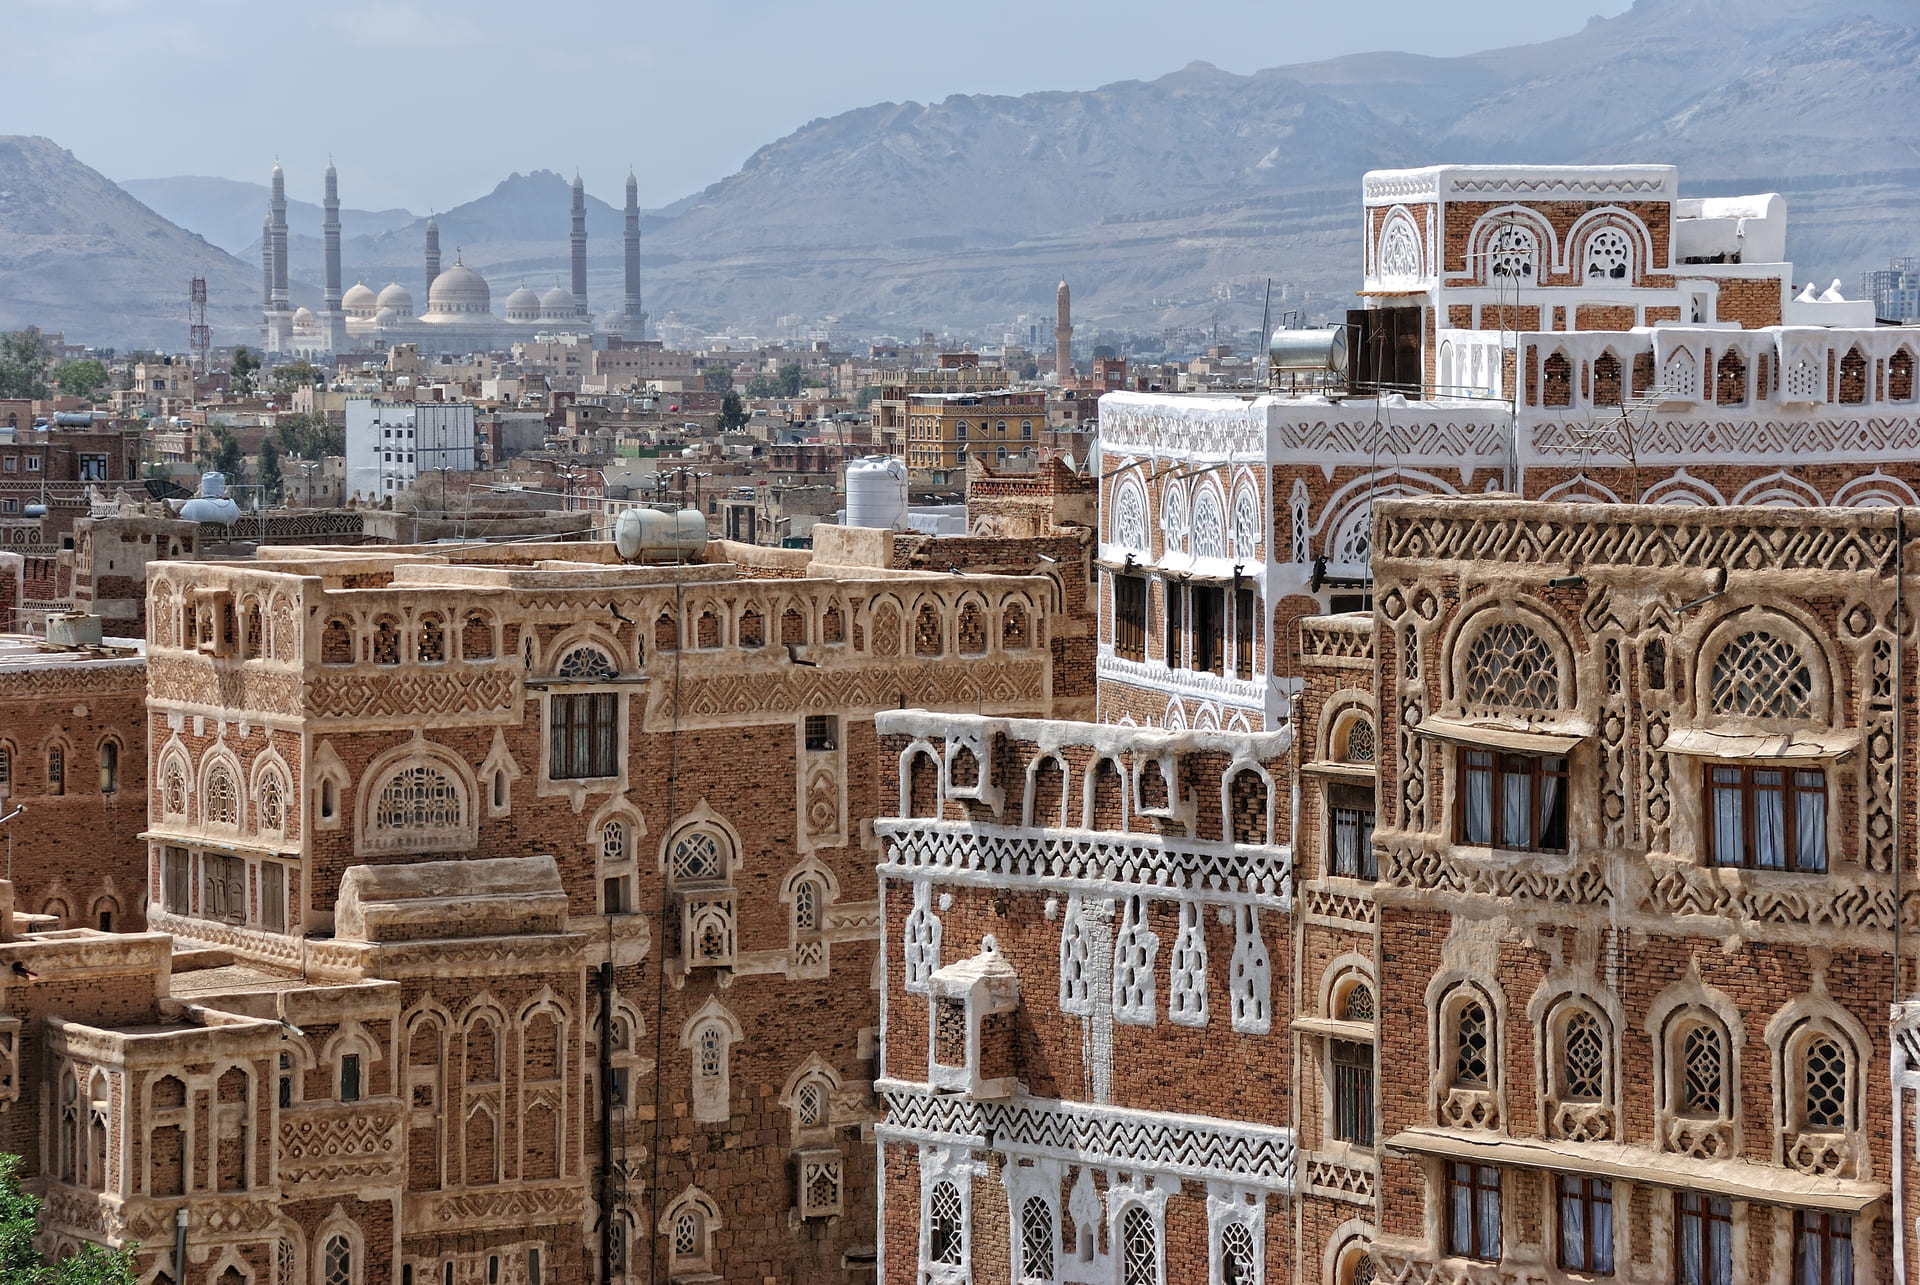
column 199, row 337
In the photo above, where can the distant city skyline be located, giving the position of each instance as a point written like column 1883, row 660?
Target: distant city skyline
column 429, row 105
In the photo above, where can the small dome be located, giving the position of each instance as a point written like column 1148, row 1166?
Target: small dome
column 397, row 297
column 459, row 289
column 358, row 297
column 558, row 297
column 523, row 305
column 303, row 316
column 385, row 317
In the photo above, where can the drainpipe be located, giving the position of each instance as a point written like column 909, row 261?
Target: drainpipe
column 606, row 1112
column 180, row 1245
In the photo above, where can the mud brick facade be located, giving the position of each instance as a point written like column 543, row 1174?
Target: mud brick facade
column 523, row 907
column 73, row 754
column 1580, row 680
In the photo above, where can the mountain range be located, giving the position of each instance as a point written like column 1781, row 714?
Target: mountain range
column 1167, row 203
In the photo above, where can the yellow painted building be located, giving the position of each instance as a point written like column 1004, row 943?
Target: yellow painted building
column 945, row 429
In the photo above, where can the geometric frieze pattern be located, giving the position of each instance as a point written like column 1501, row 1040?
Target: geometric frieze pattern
column 490, row 1210
column 1580, row 884
column 1363, row 437
column 1166, row 868
column 1338, row 642
column 1853, row 905
column 1339, row 1181
column 1000, row 683
column 437, row 693
column 1676, row 539
column 323, row 1145
column 1338, row 909
column 1750, row 441
column 1185, row 1146
column 64, row 680
column 179, row 680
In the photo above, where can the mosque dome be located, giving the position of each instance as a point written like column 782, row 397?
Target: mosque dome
column 385, row 317
column 359, row 301
column 397, row 297
column 302, row 315
column 459, row 289
column 523, row 305
column 556, row 304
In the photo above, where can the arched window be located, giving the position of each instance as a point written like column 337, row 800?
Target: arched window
column 336, row 643
column 1239, row 1256
column 1556, row 380
column 336, row 1262
column 810, row 1104
column 1513, row 256
column 1606, row 380
column 417, row 800
column 1209, row 535
column 1036, row 1240
column 1173, row 518
column 476, row 637
column 1730, row 379
column 1359, row 746
column 1353, row 543
column 1510, row 666
column 221, row 802
column 588, row 664
column 431, row 645
column 1139, row 1247
column 1471, row 1054
column 109, row 769
column 946, row 1226
column 689, row 1241
column 1583, row 1058
column 272, row 812
column 1759, row 675
column 1399, row 258
column 1609, row 256
column 1853, row 377
column 6, row 770
column 56, row 769
column 1703, row 1069
column 386, row 641
column 1900, row 376
column 1246, row 524
column 1823, row 1085
column 929, row 631
column 1681, row 375
column 698, row 856
column 1014, row 635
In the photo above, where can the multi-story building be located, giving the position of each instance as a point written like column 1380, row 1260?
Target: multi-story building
column 1578, row 813
column 390, row 444
column 522, row 909
column 1894, row 289
column 73, row 770
column 945, row 430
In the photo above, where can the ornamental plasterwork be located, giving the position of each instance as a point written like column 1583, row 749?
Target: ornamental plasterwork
column 1772, row 439
column 1183, row 429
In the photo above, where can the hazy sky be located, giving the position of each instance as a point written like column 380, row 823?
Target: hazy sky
column 429, row 104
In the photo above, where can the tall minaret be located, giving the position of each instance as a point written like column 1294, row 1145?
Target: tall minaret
column 579, row 249
column 330, row 231
column 266, row 261
column 1063, row 334
column 433, row 252
column 278, row 210
column 634, row 321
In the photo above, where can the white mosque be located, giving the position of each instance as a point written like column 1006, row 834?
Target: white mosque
column 459, row 317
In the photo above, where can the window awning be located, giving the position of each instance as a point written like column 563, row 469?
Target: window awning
column 1737, row 1179
column 1556, row 743
column 1363, row 773
column 1698, row 742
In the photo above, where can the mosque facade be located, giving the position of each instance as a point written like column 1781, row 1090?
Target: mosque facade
column 458, row 316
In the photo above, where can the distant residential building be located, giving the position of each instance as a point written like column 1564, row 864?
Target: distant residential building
column 945, row 429
column 390, row 443
column 1894, row 289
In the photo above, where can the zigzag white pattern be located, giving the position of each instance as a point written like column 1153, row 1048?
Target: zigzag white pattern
column 1752, row 441
column 1087, row 861
column 1189, row 1146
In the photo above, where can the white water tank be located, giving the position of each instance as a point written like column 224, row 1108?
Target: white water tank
column 652, row 535
column 212, row 504
column 877, row 493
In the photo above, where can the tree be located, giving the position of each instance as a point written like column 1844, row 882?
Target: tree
column 763, row 386
column 865, row 397
column 733, row 414
column 717, row 379
column 297, row 374
column 81, row 378
column 308, row 437
column 1030, row 369
column 23, row 364
column 241, row 369
column 228, row 458
column 790, row 379
column 269, row 475
column 19, row 1265
column 812, row 381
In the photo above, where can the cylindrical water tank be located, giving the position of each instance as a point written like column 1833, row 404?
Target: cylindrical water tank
column 877, row 493
column 1309, row 349
column 650, row 535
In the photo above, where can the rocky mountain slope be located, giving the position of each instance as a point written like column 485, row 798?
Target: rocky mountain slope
column 1170, row 203
column 78, row 254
